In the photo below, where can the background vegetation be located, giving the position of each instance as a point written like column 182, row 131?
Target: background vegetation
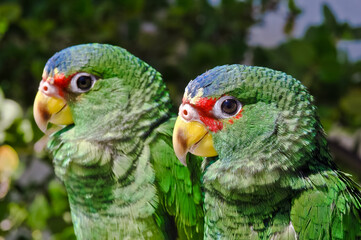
column 181, row 39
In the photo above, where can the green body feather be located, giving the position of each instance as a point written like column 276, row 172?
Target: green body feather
column 274, row 177
column 117, row 162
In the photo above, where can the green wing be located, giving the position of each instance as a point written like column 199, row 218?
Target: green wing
column 332, row 212
column 179, row 187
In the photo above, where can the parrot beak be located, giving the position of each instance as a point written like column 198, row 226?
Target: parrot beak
column 192, row 137
column 51, row 109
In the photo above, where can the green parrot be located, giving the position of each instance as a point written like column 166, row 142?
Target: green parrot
column 115, row 152
column 268, row 173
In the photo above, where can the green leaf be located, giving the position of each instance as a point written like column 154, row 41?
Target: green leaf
column 58, row 198
column 25, row 130
column 10, row 11
column 66, row 234
column 39, row 212
column 293, row 7
column 351, row 107
column 37, row 29
column 3, row 27
column 17, row 214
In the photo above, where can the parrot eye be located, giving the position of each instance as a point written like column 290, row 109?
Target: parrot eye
column 82, row 82
column 226, row 107
column 229, row 106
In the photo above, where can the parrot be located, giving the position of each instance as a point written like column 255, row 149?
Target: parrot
column 112, row 147
column 267, row 172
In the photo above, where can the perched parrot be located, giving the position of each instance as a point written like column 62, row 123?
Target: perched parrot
column 268, row 173
column 115, row 152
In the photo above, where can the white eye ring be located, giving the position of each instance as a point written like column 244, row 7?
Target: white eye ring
column 219, row 113
column 87, row 83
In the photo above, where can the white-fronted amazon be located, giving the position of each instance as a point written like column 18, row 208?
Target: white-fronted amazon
column 268, row 172
column 115, row 154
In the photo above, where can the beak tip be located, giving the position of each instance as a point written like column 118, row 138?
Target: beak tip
column 40, row 121
column 40, row 112
column 183, row 159
column 42, row 126
column 43, row 129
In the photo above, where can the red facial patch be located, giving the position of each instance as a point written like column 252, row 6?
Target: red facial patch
column 238, row 116
column 61, row 81
column 206, row 104
column 213, row 124
column 204, row 107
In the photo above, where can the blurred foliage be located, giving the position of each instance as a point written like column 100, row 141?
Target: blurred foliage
column 9, row 162
column 14, row 130
column 181, row 39
column 316, row 62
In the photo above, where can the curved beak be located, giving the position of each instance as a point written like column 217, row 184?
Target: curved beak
column 192, row 137
column 51, row 109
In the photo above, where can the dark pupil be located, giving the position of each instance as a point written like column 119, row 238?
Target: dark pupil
column 229, row 106
column 84, row 82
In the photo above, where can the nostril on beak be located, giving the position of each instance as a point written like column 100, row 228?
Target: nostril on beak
column 45, row 88
column 188, row 113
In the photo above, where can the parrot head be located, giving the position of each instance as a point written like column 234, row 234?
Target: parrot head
column 98, row 86
column 235, row 111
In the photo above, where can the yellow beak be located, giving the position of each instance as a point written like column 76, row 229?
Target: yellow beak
column 51, row 109
column 192, row 137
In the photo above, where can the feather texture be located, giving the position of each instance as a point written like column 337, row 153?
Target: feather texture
column 273, row 177
column 121, row 174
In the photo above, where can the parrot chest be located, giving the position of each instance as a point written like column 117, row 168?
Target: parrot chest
column 234, row 220
column 111, row 194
